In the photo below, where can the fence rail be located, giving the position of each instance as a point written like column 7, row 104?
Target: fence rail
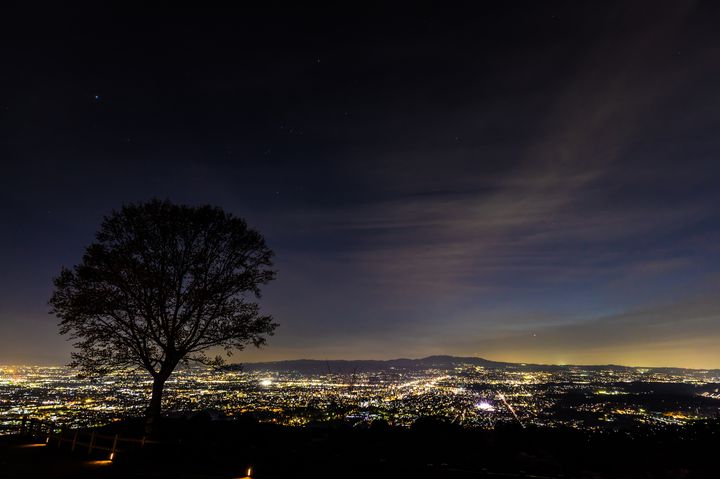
column 88, row 440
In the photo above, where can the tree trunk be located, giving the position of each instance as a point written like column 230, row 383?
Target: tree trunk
column 152, row 413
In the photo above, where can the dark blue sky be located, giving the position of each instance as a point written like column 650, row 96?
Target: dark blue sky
column 536, row 181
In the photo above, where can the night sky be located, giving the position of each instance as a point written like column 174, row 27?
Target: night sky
column 532, row 182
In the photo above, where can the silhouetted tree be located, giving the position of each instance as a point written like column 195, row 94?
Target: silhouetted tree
column 161, row 284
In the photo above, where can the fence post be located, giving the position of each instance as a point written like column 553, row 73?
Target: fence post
column 22, row 425
column 142, row 443
column 92, row 441
column 31, row 427
column 60, row 438
column 112, row 453
column 74, row 441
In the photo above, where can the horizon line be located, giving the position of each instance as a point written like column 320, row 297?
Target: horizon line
column 6, row 365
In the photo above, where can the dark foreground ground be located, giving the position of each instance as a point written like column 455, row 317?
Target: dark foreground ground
column 201, row 448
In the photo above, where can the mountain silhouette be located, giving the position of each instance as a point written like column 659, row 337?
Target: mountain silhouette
column 440, row 362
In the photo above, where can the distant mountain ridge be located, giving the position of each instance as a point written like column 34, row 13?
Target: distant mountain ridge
column 442, row 362
column 342, row 366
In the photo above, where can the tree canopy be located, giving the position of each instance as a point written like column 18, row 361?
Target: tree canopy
column 162, row 284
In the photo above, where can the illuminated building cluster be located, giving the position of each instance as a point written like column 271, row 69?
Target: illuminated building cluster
column 470, row 395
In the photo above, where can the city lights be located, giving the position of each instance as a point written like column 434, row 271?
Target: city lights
column 485, row 406
column 468, row 395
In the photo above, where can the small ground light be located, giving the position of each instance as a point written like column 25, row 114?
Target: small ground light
column 47, row 440
column 112, row 456
column 247, row 475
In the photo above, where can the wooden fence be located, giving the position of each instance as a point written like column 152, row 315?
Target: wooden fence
column 85, row 440
column 89, row 441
